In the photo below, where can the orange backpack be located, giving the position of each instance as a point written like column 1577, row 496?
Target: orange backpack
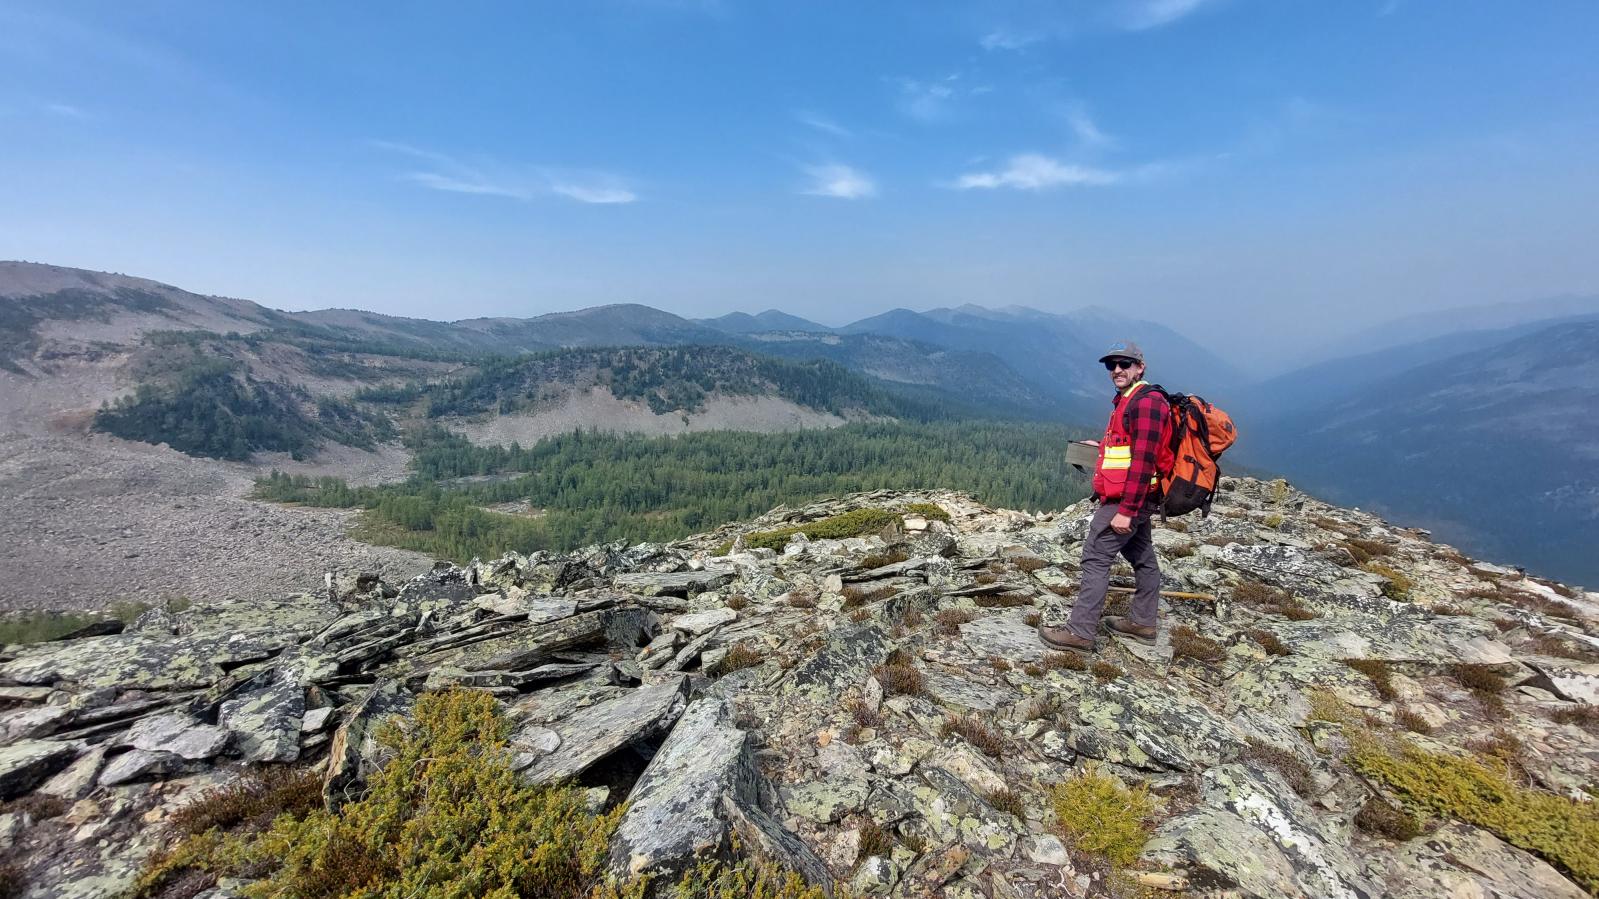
column 1200, row 433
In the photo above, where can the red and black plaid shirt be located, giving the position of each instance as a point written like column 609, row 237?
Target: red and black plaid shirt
column 1145, row 420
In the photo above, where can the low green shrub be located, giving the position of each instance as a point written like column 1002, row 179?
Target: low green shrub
column 1562, row 831
column 853, row 523
column 1100, row 815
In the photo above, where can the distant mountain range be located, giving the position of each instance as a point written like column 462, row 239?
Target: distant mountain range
column 1479, row 426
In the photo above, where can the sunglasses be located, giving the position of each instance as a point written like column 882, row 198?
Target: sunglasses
column 1113, row 364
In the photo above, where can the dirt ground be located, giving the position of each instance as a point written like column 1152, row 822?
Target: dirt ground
column 87, row 520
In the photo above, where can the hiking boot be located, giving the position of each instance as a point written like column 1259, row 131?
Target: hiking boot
column 1063, row 639
column 1117, row 626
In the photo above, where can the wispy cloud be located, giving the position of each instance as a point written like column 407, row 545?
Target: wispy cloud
column 65, row 110
column 590, row 187
column 1088, row 132
column 839, row 181
column 1010, row 39
column 821, row 123
column 1141, row 15
column 928, row 101
column 438, row 171
column 1037, row 172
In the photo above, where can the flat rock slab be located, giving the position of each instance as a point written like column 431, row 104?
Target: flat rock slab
column 265, row 722
column 1460, row 860
column 681, row 583
column 142, row 661
column 24, row 764
column 1151, row 727
column 177, row 733
column 138, row 764
column 849, row 656
column 1437, row 641
column 704, row 622
column 591, row 734
column 1006, row 635
column 958, row 692
column 1251, row 829
column 699, row 791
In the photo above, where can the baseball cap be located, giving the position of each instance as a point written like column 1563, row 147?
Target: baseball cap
column 1124, row 349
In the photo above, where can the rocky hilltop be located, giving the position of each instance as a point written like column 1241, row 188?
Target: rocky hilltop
column 1336, row 707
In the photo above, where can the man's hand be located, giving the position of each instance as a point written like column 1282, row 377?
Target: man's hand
column 1122, row 523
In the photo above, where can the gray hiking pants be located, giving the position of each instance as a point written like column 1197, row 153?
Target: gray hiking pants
column 1100, row 548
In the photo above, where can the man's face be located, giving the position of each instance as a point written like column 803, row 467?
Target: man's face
column 1124, row 372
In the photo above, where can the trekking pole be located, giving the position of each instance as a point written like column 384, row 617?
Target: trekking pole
column 1169, row 594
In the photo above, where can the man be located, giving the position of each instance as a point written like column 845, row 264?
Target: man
column 1125, row 485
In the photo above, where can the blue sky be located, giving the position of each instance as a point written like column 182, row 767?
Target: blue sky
column 1293, row 169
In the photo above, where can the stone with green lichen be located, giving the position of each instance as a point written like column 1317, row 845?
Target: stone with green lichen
column 1147, row 725
column 1250, row 829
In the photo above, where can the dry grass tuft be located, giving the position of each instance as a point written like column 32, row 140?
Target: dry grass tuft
column 1181, row 551
column 1583, row 716
column 891, row 556
column 251, row 801
column 1564, row 647
column 1003, row 600
column 1029, row 563
column 1189, row 643
column 1105, row 672
column 1269, row 642
column 860, row 615
column 737, row 602
column 900, row 679
column 999, row 663
column 1272, row 600
column 1379, row 818
column 983, row 738
column 856, row 596
column 1032, row 670
column 1412, row 722
column 1478, row 678
column 1294, row 771
column 1007, row 801
column 1033, row 619
column 1064, row 661
column 1380, row 674
column 863, row 714
column 875, row 840
column 739, row 656
column 948, row 621
column 913, row 617
column 802, row 599
column 1366, row 550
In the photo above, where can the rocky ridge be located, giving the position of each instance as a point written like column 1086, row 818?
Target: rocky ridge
column 810, row 700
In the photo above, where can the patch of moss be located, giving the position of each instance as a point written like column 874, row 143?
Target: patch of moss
column 1100, row 815
column 1396, row 586
column 853, row 523
column 930, row 511
column 1561, row 831
column 1274, row 521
